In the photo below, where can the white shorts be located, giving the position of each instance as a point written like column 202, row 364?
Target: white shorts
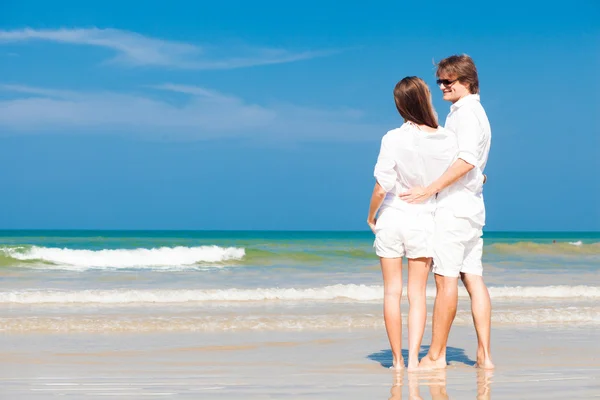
column 400, row 233
column 457, row 245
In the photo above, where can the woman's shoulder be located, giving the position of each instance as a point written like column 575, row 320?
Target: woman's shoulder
column 405, row 127
column 396, row 133
column 444, row 132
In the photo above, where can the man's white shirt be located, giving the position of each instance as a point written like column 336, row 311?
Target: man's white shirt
column 468, row 120
column 410, row 157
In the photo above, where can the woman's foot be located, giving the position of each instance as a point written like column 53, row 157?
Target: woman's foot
column 484, row 361
column 398, row 365
column 413, row 363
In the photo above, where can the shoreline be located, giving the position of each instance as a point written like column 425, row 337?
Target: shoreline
column 303, row 365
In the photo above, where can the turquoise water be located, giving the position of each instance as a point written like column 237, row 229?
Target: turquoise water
column 201, row 280
column 285, row 235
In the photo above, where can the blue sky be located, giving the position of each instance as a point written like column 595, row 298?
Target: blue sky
column 268, row 115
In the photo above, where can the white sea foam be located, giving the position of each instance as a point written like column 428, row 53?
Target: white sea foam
column 300, row 320
column 348, row 293
column 571, row 316
column 125, row 258
column 351, row 292
column 577, row 243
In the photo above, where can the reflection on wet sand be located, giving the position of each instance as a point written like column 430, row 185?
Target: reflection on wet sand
column 396, row 390
column 435, row 380
column 484, row 382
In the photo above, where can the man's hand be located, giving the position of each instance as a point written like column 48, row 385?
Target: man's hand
column 417, row 194
column 372, row 224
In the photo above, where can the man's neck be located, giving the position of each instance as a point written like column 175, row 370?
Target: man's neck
column 460, row 98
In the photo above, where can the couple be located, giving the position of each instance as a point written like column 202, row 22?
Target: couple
column 429, row 197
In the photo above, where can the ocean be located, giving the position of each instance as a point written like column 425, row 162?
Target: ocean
column 201, row 281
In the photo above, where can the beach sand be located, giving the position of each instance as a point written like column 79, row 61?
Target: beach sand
column 532, row 363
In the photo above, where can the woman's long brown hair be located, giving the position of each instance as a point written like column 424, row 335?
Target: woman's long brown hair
column 413, row 101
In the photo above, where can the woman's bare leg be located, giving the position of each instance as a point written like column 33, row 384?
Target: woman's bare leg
column 391, row 269
column 418, row 271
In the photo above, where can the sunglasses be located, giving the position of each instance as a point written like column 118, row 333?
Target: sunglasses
column 446, row 82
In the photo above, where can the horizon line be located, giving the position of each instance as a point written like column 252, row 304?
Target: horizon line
column 259, row 230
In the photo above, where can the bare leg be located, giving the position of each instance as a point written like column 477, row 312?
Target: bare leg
column 418, row 271
column 444, row 311
column 481, row 308
column 391, row 269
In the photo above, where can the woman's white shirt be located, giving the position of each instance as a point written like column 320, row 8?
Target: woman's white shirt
column 411, row 157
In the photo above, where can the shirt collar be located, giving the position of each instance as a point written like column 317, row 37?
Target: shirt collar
column 463, row 101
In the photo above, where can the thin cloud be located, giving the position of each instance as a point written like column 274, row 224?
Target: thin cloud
column 204, row 114
column 195, row 91
column 38, row 91
column 134, row 49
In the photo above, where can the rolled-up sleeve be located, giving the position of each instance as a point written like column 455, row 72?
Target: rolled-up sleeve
column 468, row 132
column 385, row 172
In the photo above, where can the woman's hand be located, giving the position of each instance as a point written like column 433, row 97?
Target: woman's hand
column 376, row 200
column 372, row 223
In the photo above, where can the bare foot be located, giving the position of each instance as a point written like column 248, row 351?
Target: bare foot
column 428, row 363
column 413, row 363
column 398, row 365
column 485, row 363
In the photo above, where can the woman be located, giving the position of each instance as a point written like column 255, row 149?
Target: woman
column 413, row 155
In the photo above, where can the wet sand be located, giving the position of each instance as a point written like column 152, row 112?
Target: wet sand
column 532, row 363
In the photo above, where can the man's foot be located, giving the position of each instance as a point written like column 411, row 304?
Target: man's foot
column 428, row 363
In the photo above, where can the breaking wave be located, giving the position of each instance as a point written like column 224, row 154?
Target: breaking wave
column 121, row 258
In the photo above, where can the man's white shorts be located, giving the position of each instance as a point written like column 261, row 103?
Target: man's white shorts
column 457, row 245
column 402, row 233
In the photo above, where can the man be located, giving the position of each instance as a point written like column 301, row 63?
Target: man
column 460, row 215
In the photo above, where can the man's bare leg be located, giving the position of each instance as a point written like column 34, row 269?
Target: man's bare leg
column 481, row 308
column 444, row 311
column 391, row 268
column 418, row 271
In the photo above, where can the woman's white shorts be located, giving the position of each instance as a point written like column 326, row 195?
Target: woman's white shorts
column 400, row 233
